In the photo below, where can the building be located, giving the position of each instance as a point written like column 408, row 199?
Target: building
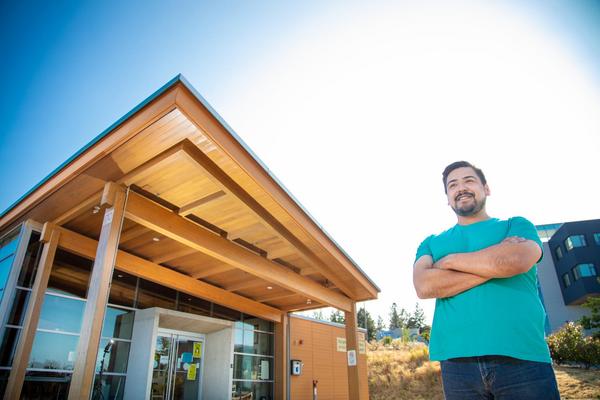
column 163, row 261
column 568, row 272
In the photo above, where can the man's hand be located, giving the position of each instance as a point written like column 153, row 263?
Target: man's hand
column 433, row 282
column 513, row 256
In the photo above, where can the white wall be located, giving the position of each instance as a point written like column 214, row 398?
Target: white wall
column 141, row 355
column 218, row 361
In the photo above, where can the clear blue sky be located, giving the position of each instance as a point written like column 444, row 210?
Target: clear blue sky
column 70, row 69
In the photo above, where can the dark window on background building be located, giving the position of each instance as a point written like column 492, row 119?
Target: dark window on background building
column 597, row 238
column 566, row 279
column 575, row 241
column 584, row 270
column 558, row 252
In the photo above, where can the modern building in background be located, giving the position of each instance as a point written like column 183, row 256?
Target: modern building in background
column 568, row 272
column 162, row 261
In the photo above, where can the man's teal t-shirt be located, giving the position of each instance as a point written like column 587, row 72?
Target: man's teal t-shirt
column 503, row 316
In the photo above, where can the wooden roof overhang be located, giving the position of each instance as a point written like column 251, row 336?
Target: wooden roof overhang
column 203, row 215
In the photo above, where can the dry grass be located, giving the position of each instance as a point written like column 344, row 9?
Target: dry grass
column 405, row 372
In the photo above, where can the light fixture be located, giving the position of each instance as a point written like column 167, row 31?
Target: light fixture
column 119, row 275
column 269, row 287
column 96, row 210
column 156, row 239
column 308, row 301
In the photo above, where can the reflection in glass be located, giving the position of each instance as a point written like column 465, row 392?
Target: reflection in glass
column 111, row 387
column 252, row 390
column 17, row 310
column 559, row 253
column 7, row 346
column 8, row 244
column 575, row 241
column 257, row 324
column 30, row 263
column 118, row 323
column 597, row 238
column 70, row 274
column 122, row 289
column 46, row 385
column 584, row 270
column 5, row 267
column 153, row 295
column 566, row 280
column 193, row 305
column 53, row 351
column 226, row 313
column 116, row 358
column 61, row 314
column 252, row 367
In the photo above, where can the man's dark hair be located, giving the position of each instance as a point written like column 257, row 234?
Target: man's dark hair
column 461, row 164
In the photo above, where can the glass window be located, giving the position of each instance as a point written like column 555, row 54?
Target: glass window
column 566, row 279
column 9, row 243
column 584, row 270
column 122, row 289
column 153, row 295
column 4, row 373
column 575, row 241
column 194, row 305
column 226, row 313
column 254, row 368
column 7, row 346
column 113, row 387
column 30, row 263
column 61, row 314
column 46, row 385
column 597, row 238
column 53, row 351
column 252, row 390
column 258, row 343
column 558, row 252
column 115, row 359
column 118, row 323
column 5, row 268
column 70, row 274
column 19, row 305
column 257, row 324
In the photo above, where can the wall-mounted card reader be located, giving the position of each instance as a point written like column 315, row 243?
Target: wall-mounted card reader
column 296, row 367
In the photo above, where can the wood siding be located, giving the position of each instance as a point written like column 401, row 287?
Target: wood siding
column 315, row 343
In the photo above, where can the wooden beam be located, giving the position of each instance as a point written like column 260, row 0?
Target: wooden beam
column 161, row 220
column 244, row 284
column 97, row 298
column 275, row 296
column 355, row 391
column 78, row 209
column 173, row 255
column 148, row 270
column 143, row 118
column 217, row 269
column 281, row 374
column 222, row 138
column 229, row 186
column 302, row 306
column 194, row 205
column 132, row 233
column 32, row 314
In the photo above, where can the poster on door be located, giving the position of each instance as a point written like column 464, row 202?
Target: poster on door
column 197, row 349
column 191, row 372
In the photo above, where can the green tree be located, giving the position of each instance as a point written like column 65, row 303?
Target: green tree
column 365, row 320
column 318, row 315
column 395, row 317
column 593, row 321
column 380, row 324
column 337, row 316
column 417, row 318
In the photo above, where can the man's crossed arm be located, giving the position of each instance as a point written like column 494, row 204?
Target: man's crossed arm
column 458, row 272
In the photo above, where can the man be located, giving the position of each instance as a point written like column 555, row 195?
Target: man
column 488, row 326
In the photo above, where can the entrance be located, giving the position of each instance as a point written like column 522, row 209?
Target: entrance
column 177, row 367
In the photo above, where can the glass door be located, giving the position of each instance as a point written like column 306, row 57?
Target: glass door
column 177, row 367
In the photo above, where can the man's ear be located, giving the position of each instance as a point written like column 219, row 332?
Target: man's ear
column 486, row 189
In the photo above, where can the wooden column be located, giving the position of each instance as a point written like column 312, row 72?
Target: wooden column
column 50, row 238
column 281, row 373
column 355, row 391
column 114, row 197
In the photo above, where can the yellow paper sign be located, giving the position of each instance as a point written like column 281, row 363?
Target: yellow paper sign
column 191, row 372
column 197, row 350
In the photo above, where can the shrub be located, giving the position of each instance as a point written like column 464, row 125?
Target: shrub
column 387, row 340
column 569, row 344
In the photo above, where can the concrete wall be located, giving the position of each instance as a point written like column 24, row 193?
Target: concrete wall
column 218, row 360
column 316, row 344
column 558, row 313
column 141, row 355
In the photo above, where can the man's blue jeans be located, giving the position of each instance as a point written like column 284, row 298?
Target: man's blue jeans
column 498, row 378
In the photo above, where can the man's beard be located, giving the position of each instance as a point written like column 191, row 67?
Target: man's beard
column 470, row 209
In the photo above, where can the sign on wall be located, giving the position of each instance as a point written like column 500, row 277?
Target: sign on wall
column 341, row 344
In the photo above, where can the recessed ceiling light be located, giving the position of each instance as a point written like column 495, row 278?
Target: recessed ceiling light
column 156, row 239
column 119, row 276
column 96, row 209
column 308, row 301
column 269, row 287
